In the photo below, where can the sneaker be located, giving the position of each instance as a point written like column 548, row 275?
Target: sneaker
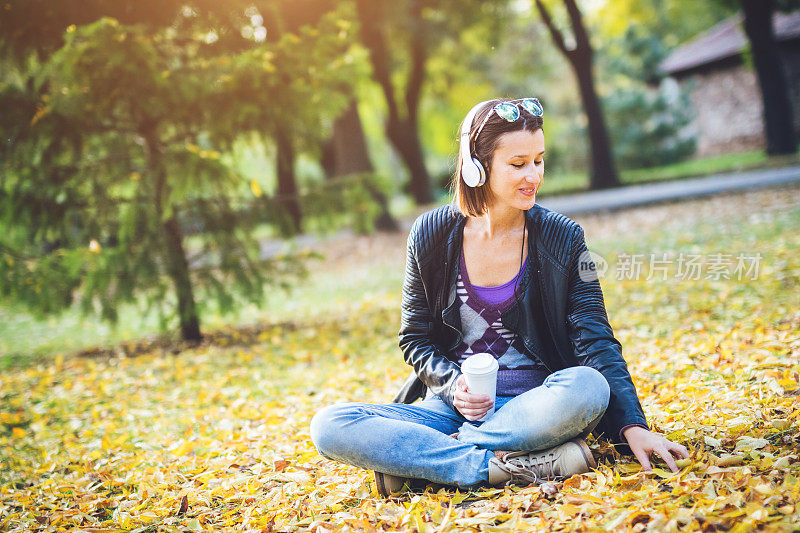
column 388, row 484
column 526, row 467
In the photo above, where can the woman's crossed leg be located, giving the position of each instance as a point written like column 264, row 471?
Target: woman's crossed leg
column 414, row 440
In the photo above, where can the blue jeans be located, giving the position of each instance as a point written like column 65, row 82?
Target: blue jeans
column 412, row 440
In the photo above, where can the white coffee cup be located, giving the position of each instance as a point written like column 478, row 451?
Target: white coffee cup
column 480, row 371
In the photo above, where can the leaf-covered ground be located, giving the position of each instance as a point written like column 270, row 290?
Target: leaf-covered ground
column 217, row 437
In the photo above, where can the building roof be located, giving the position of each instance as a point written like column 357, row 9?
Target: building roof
column 724, row 40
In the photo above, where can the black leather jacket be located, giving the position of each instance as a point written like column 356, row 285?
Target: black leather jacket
column 569, row 311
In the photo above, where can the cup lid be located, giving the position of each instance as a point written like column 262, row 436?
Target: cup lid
column 480, row 363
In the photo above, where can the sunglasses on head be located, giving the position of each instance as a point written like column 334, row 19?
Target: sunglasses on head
column 511, row 111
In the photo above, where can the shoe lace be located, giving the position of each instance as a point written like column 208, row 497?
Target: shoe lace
column 519, row 474
column 532, row 467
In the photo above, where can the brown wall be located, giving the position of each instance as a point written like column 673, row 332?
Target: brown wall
column 727, row 102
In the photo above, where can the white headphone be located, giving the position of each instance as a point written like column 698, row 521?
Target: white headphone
column 472, row 171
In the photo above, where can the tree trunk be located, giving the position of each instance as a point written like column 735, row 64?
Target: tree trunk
column 405, row 137
column 402, row 130
column 287, row 185
column 174, row 255
column 778, row 125
column 350, row 155
column 346, row 153
column 178, row 268
column 603, row 172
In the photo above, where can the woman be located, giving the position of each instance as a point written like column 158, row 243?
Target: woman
column 496, row 273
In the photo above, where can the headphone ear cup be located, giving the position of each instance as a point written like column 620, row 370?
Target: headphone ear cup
column 481, row 172
column 470, row 173
column 473, row 173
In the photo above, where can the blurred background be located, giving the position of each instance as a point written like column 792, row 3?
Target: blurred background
column 171, row 167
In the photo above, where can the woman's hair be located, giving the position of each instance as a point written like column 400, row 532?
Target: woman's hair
column 473, row 201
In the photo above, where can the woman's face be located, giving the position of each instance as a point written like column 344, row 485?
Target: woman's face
column 517, row 169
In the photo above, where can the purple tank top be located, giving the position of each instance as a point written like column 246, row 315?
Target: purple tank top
column 481, row 312
column 501, row 293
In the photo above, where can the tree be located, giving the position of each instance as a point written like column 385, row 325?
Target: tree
column 401, row 36
column 115, row 143
column 603, row 173
column 647, row 123
column 670, row 21
column 235, row 25
column 279, row 18
column 403, row 122
column 777, row 106
column 778, row 125
column 345, row 153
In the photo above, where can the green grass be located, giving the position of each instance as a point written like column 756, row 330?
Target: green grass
column 24, row 339
column 711, row 165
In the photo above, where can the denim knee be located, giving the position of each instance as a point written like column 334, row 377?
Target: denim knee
column 570, row 403
column 324, row 430
column 595, row 395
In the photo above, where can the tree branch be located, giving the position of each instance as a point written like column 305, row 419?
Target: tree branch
column 581, row 37
column 370, row 16
column 416, row 76
column 558, row 37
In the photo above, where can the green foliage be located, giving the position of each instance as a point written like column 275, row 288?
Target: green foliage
column 646, row 128
column 674, row 21
column 648, row 125
column 115, row 152
column 780, row 5
column 38, row 25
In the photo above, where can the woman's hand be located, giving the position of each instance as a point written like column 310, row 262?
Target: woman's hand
column 643, row 443
column 471, row 406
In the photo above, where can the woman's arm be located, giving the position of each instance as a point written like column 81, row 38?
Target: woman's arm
column 595, row 346
column 437, row 372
